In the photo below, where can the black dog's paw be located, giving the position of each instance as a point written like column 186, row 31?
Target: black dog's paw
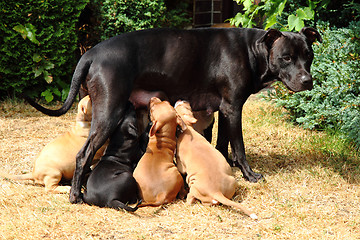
column 231, row 162
column 254, row 177
column 75, row 198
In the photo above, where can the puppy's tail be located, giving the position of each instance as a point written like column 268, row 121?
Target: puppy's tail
column 219, row 197
column 27, row 176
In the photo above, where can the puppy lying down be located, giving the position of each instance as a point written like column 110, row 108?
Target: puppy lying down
column 57, row 160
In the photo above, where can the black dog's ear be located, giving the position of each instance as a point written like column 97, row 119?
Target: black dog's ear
column 311, row 34
column 270, row 37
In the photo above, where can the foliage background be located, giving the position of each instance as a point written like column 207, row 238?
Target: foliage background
column 334, row 102
column 125, row 16
column 53, row 22
column 42, row 40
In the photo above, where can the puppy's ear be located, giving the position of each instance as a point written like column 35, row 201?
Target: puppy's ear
column 88, row 109
column 311, row 34
column 83, row 109
column 85, row 105
column 154, row 100
column 181, row 123
column 154, row 128
column 270, row 37
column 190, row 119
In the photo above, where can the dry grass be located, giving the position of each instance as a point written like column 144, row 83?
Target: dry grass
column 311, row 190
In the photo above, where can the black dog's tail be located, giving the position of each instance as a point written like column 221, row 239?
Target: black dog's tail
column 120, row 205
column 79, row 76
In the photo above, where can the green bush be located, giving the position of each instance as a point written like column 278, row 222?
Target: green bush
column 39, row 39
column 287, row 15
column 29, row 64
column 119, row 16
column 334, row 102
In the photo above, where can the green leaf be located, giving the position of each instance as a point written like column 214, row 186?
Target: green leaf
column 32, row 37
column 48, row 65
column 299, row 24
column 20, row 29
column 57, row 92
column 64, row 93
column 309, row 13
column 281, row 7
column 36, row 57
column 295, row 23
column 300, row 13
column 38, row 71
column 241, row 20
column 27, row 31
column 47, row 77
column 292, row 21
column 270, row 21
column 247, row 4
column 48, row 95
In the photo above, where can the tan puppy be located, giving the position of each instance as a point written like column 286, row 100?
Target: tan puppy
column 57, row 159
column 158, row 178
column 209, row 176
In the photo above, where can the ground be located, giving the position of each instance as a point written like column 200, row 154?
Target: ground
column 311, row 189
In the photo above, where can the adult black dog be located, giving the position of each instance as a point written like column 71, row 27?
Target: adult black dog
column 111, row 183
column 212, row 68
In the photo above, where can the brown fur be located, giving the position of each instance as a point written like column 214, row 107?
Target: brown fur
column 56, row 161
column 157, row 176
column 209, row 176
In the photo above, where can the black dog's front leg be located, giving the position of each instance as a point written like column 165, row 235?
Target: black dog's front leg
column 233, row 126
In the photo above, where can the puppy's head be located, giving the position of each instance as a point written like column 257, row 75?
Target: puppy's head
column 84, row 113
column 183, row 109
column 163, row 115
column 290, row 56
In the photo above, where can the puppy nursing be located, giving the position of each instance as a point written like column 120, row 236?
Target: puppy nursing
column 209, row 176
column 158, row 178
column 56, row 161
column 111, row 183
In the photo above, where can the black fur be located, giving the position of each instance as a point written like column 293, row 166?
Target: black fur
column 212, row 68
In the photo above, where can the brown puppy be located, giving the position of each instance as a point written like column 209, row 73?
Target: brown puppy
column 209, row 176
column 57, row 159
column 158, row 178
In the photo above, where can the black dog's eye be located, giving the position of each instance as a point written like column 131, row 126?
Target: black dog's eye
column 286, row 58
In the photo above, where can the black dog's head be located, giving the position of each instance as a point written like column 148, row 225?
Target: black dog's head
column 290, row 56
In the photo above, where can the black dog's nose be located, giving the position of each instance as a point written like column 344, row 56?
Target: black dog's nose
column 306, row 80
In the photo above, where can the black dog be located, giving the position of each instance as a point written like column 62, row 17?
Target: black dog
column 111, row 183
column 213, row 69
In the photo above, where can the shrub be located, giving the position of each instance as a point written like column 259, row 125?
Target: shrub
column 119, row 16
column 27, row 64
column 39, row 39
column 294, row 14
column 334, row 102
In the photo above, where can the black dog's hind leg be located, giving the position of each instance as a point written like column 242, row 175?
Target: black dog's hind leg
column 108, row 111
column 99, row 133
